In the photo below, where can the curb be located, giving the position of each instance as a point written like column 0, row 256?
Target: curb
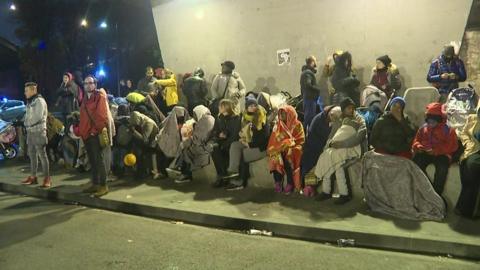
column 312, row 234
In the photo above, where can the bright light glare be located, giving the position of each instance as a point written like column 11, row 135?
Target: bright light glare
column 103, row 24
column 13, row 7
column 84, row 23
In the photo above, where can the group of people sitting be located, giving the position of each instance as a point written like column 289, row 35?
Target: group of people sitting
column 234, row 130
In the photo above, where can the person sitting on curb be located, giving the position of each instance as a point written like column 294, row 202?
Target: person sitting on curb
column 285, row 150
column 347, row 142
column 435, row 143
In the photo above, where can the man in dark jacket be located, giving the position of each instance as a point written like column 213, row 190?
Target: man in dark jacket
column 147, row 84
column 310, row 90
column 344, row 80
column 446, row 71
column 67, row 93
column 195, row 90
column 393, row 133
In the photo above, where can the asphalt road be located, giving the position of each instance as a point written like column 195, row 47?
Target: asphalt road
column 36, row 234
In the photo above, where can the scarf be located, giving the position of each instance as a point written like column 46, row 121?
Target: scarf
column 258, row 119
column 285, row 144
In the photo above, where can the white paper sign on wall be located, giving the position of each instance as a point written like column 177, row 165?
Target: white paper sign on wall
column 283, row 57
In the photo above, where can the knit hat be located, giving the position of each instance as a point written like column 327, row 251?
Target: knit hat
column 346, row 102
column 250, row 100
column 397, row 100
column 449, row 50
column 229, row 64
column 385, row 59
column 69, row 75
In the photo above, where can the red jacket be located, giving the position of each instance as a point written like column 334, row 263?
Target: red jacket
column 441, row 139
column 97, row 108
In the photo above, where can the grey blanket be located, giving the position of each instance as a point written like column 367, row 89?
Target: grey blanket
column 396, row 186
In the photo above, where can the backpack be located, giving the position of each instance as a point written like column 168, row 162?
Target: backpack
column 460, row 103
column 124, row 135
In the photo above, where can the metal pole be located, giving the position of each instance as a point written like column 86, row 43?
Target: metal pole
column 118, row 59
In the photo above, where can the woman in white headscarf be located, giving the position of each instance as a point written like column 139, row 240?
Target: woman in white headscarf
column 194, row 152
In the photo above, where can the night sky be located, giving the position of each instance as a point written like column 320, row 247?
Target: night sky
column 7, row 25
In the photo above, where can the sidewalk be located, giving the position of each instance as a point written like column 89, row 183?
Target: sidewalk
column 259, row 207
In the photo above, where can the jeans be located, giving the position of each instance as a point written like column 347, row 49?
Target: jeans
column 95, row 155
column 37, row 148
column 309, row 111
column 442, row 164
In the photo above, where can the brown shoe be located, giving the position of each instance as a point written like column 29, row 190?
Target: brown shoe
column 31, row 180
column 47, row 182
column 91, row 189
column 102, row 190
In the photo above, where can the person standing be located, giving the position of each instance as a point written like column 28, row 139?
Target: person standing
column 435, row 143
column 344, row 79
column 195, row 90
column 147, row 84
column 93, row 123
column 446, row 71
column 67, row 93
column 310, row 90
column 385, row 76
column 36, row 126
column 229, row 85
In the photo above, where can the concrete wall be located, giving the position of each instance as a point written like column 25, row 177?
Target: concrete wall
column 470, row 52
column 205, row 32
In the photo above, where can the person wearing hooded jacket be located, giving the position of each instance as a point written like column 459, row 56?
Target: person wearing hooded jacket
column 144, row 131
column 195, row 90
column 67, row 93
column 435, row 143
column 310, row 90
column 169, row 94
column 344, row 80
column 195, row 151
column 385, row 76
column 446, row 71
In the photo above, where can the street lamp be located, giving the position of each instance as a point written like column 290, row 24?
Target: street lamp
column 13, row 7
column 103, row 25
column 84, row 23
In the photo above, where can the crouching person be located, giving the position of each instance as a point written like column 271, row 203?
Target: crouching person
column 195, row 151
column 225, row 132
column 169, row 137
column 36, row 126
column 347, row 142
column 285, row 150
column 435, row 143
column 251, row 147
column 144, row 131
